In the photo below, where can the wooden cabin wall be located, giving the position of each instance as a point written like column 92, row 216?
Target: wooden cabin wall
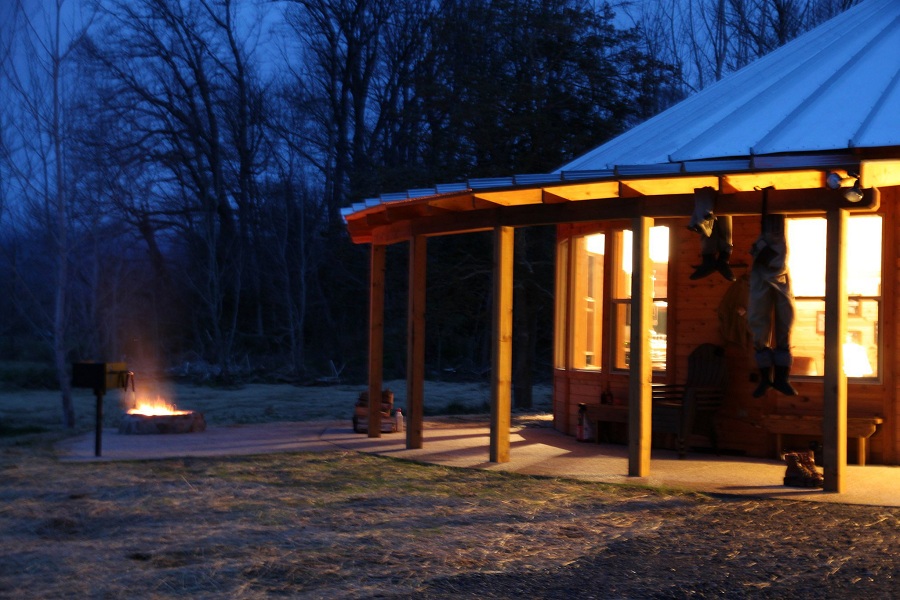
column 695, row 305
column 693, row 320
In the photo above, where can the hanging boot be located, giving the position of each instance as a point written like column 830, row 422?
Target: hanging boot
column 707, row 267
column 781, row 382
column 765, row 382
column 723, row 267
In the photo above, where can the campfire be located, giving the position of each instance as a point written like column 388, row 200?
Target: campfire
column 156, row 408
column 159, row 416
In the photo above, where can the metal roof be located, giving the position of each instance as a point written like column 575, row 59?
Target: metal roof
column 837, row 87
column 815, row 104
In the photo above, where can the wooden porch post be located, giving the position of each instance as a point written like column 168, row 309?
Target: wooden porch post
column 566, row 333
column 640, row 368
column 376, row 337
column 415, row 346
column 501, row 373
column 834, row 412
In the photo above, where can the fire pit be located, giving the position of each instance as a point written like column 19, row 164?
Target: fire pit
column 161, row 417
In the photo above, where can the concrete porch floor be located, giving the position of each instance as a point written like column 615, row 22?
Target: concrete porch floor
column 535, row 449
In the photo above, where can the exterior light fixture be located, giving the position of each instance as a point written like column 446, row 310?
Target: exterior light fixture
column 854, row 194
column 833, row 180
column 836, row 181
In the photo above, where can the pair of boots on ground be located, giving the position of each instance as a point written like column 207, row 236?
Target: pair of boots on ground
column 801, row 470
column 774, row 368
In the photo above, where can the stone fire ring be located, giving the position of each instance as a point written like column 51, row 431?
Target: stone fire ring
column 189, row 422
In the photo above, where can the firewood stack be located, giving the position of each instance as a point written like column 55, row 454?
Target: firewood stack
column 361, row 412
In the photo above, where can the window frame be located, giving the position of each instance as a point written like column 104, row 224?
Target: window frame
column 568, row 347
column 853, row 310
column 622, row 298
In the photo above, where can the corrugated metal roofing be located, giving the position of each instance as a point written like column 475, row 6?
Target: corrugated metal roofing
column 833, row 88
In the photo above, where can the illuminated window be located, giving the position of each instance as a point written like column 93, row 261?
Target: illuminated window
column 621, row 303
column 806, row 243
column 588, row 253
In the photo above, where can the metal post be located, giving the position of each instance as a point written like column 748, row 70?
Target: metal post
column 98, row 434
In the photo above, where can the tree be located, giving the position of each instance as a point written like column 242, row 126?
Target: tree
column 182, row 90
column 545, row 82
column 38, row 76
column 707, row 39
column 349, row 97
column 188, row 197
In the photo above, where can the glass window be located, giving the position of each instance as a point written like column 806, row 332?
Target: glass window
column 659, row 272
column 806, row 249
column 587, row 301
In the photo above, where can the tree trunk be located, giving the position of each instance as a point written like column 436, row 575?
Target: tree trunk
column 62, row 241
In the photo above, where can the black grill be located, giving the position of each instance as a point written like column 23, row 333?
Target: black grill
column 100, row 377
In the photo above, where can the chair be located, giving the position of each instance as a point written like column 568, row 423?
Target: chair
column 683, row 409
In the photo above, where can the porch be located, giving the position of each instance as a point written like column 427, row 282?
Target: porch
column 538, row 450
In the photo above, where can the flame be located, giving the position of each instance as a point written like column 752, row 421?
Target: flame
column 158, row 407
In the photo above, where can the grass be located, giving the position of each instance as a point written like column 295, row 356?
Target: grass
column 252, row 403
column 26, row 375
column 350, row 525
column 315, row 525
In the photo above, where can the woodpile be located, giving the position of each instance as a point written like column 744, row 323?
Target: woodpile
column 361, row 413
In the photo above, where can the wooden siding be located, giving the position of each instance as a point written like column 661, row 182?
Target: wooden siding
column 693, row 320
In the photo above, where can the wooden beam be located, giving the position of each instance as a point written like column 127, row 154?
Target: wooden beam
column 790, row 202
column 501, row 374
column 376, row 337
column 879, row 173
column 415, row 347
column 780, row 180
column 401, row 231
column 667, row 186
column 407, row 211
column 571, row 273
column 834, row 421
column 640, row 375
column 461, row 202
column 511, row 197
column 581, row 191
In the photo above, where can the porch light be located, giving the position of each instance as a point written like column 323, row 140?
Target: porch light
column 835, row 181
column 854, row 194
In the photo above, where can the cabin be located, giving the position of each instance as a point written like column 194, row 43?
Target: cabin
column 809, row 132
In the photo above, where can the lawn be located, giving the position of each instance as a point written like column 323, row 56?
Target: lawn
column 349, row 525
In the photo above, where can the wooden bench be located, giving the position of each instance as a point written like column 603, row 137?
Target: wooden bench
column 678, row 409
column 605, row 413
column 858, row 428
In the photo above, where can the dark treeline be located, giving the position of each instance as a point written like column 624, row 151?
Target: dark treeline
column 172, row 171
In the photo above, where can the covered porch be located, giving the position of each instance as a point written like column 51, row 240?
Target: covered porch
column 798, row 190
column 783, row 123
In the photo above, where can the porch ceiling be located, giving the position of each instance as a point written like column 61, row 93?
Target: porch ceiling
column 662, row 190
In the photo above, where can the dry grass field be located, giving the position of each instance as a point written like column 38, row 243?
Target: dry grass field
column 346, row 525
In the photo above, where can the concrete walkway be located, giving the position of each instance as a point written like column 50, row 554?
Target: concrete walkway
column 535, row 449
